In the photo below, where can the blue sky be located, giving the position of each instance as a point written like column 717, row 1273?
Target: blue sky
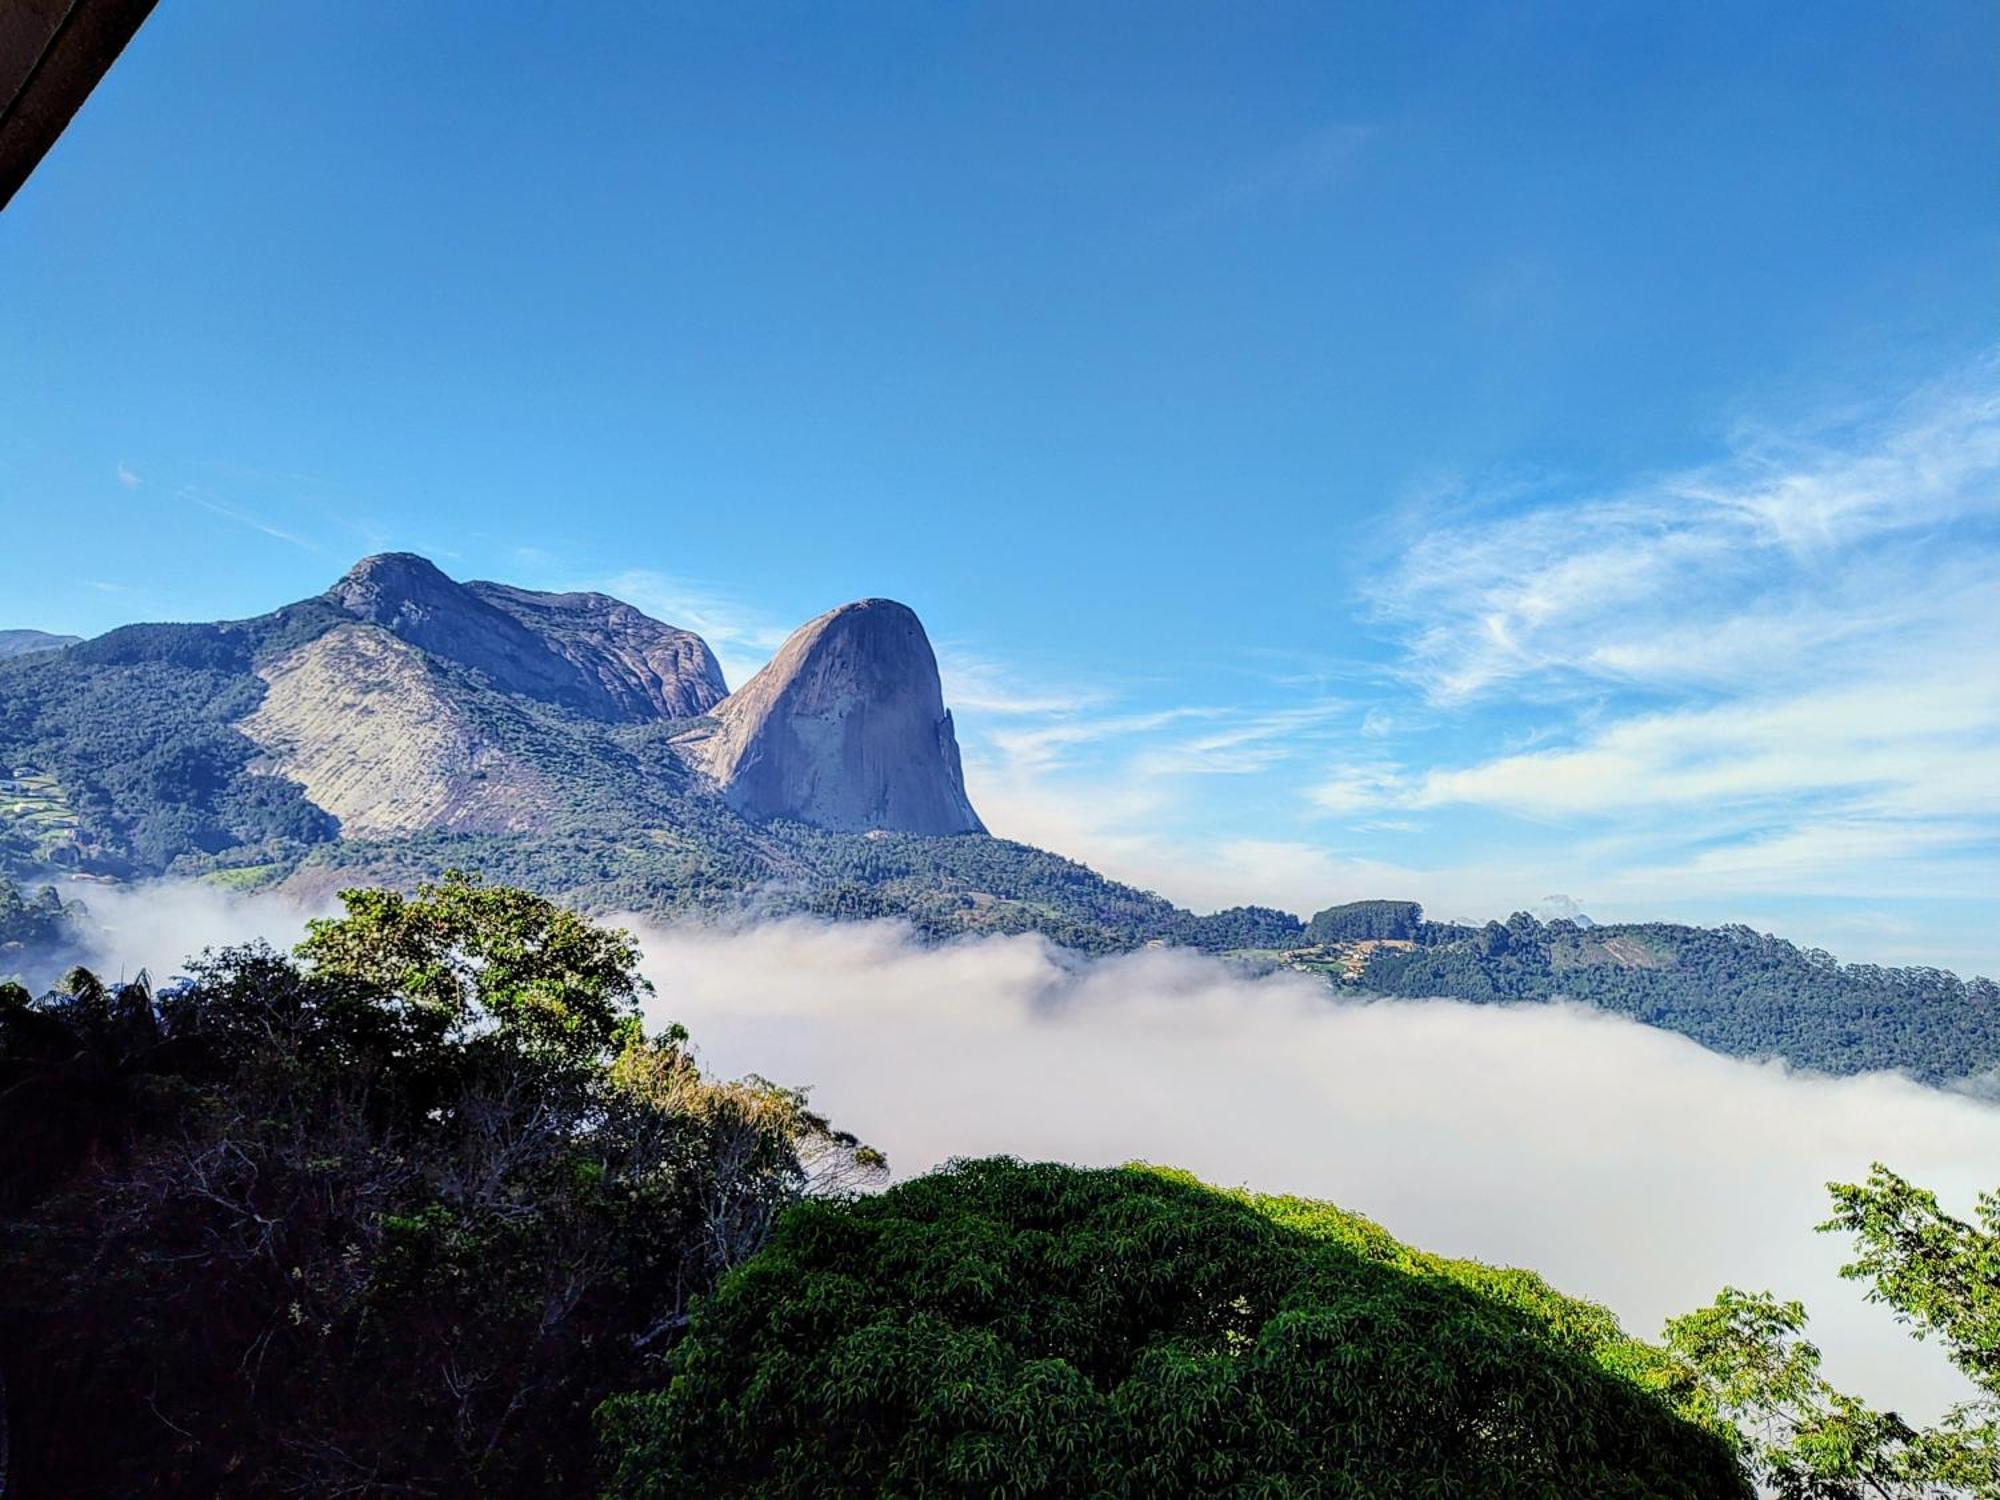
column 1470, row 452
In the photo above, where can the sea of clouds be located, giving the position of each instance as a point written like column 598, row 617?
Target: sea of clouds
column 1626, row 1164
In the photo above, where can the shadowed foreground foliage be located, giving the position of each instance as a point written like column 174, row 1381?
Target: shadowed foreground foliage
column 389, row 1218
column 1007, row 1329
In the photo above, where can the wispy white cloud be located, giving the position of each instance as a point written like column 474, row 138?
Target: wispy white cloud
column 1360, row 786
column 985, row 686
column 1837, row 857
column 1795, row 546
column 1246, row 743
column 245, row 518
column 128, row 478
column 1929, row 745
column 1775, row 674
column 1047, row 747
column 1311, row 164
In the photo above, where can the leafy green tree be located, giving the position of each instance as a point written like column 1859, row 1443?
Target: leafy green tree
column 392, row 1217
column 1006, row 1329
column 556, row 984
column 1745, row 1361
column 1940, row 1273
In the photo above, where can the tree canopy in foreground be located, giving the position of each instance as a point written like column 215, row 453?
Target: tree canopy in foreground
column 387, row 1218
column 998, row 1328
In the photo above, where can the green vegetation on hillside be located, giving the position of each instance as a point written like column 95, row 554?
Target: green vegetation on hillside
column 1729, row 988
column 132, row 737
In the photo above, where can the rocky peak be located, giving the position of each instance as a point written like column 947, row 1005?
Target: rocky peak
column 408, row 596
column 588, row 652
column 393, row 586
column 845, row 729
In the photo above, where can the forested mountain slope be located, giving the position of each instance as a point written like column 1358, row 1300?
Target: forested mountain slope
column 1729, row 988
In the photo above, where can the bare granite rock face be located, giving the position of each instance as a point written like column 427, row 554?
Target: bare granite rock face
column 362, row 721
column 644, row 668
column 846, row 729
column 409, row 597
column 588, row 652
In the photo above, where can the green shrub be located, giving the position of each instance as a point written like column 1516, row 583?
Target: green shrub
column 1005, row 1329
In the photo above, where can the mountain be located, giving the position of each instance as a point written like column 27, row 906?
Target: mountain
column 402, row 723
column 588, row 652
column 401, row 702
column 845, row 729
column 642, row 669
column 21, row 642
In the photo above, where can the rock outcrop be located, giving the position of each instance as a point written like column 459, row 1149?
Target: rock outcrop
column 364, row 722
column 587, row 652
column 846, row 729
column 643, row 668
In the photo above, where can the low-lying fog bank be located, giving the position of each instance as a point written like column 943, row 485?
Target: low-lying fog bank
column 1626, row 1164
column 159, row 925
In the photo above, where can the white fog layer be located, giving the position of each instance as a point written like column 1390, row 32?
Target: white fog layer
column 1626, row 1164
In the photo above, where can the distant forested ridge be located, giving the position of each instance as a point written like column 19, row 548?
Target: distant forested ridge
column 1730, row 988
